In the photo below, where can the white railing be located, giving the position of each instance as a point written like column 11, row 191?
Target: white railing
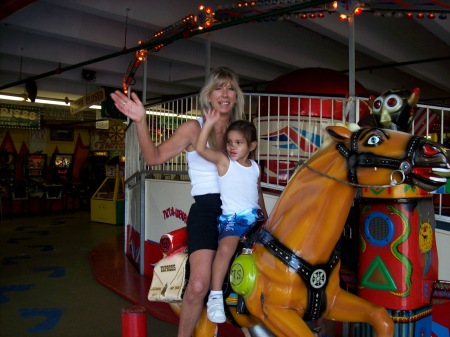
column 290, row 129
column 430, row 122
column 276, row 142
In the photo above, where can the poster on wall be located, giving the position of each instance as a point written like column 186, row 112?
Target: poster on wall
column 61, row 135
column 60, row 113
column 111, row 140
column 38, row 140
column 20, row 116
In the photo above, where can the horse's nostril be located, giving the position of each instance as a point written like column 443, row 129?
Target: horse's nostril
column 429, row 150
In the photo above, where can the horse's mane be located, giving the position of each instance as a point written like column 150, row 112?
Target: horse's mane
column 351, row 126
column 327, row 140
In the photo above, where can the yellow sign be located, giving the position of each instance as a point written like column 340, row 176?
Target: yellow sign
column 85, row 102
column 55, row 112
column 425, row 237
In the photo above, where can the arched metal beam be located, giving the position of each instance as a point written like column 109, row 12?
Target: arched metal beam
column 180, row 35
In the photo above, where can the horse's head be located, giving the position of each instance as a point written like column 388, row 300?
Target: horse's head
column 381, row 156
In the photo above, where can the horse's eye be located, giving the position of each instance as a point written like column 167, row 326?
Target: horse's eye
column 374, row 140
column 429, row 150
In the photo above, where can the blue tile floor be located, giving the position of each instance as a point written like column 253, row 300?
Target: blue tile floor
column 47, row 287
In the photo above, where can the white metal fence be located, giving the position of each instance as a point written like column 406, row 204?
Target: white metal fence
column 290, row 129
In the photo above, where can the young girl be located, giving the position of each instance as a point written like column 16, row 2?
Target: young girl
column 241, row 195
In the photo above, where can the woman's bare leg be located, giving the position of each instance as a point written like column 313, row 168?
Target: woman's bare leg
column 200, row 263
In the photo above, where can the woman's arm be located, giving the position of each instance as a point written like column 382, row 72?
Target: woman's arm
column 183, row 138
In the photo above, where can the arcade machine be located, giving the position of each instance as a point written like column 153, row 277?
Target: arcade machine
column 35, row 169
column 7, row 177
column 108, row 202
column 92, row 174
column 61, row 166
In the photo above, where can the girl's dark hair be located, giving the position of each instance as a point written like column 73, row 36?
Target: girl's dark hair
column 247, row 129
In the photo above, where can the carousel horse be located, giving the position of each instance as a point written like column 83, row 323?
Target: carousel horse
column 295, row 264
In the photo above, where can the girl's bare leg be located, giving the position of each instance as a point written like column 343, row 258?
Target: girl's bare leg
column 226, row 250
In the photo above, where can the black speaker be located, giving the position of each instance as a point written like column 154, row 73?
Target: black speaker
column 88, row 75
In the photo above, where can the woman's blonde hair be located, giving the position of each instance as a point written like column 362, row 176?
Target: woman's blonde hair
column 216, row 79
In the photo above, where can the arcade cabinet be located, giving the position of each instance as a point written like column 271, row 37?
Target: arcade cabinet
column 92, row 175
column 35, row 165
column 35, row 169
column 7, row 177
column 61, row 166
column 108, row 202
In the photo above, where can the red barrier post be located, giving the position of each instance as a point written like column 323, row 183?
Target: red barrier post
column 134, row 321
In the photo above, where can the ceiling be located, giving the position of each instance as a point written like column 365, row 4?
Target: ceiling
column 39, row 37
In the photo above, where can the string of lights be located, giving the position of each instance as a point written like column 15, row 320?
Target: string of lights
column 206, row 18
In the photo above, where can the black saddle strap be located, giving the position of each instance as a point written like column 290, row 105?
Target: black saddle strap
column 315, row 277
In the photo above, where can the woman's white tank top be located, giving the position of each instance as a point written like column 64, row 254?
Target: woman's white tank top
column 202, row 173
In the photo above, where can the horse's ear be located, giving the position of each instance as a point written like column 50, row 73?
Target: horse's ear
column 339, row 133
column 368, row 121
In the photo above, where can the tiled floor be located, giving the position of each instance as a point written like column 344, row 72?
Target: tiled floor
column 61, row 275
column 47, row 286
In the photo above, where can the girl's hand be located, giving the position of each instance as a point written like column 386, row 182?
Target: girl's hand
column 132, row 108
column 211, row 116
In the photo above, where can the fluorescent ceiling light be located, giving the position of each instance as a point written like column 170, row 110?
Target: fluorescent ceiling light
column 37, row 100
column 169, row 114
column 49, row 101
column 43, row 101
column 11, row 98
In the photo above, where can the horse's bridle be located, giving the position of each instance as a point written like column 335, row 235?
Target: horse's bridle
column 355, row 160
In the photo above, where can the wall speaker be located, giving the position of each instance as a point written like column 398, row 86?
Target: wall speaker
column 88, row 75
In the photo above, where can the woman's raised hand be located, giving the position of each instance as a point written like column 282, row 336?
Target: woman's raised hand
column 132, row 108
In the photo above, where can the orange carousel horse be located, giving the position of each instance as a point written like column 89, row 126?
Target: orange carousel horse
column 297, row 268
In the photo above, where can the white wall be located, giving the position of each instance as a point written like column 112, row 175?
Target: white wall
column 443, row 248
column 270, row 200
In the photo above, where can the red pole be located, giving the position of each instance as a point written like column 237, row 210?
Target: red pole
column 134, row 321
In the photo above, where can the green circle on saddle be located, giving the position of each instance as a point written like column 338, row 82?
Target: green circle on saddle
column 243, row 274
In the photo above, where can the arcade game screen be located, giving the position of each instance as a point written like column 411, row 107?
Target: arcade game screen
column 62, row 163
column 35, row 164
